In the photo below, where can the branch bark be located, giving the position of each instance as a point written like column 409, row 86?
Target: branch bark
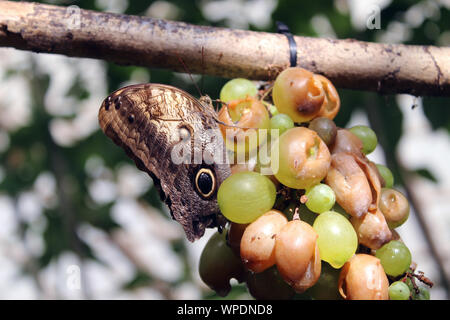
column 133, row 40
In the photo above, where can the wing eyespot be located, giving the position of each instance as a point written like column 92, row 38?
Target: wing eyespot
column 205, row 182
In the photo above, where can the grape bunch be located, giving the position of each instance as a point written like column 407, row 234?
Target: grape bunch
column 321, row 224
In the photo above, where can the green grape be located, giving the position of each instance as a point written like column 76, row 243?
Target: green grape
column 238, row 88
column 326, row 288
column 218, row 264
column 424, row 294
column 321, row 198
column 273, row 110
column 386, row 174
column 399, row 291
column 337, row 239
column 367, row 137
column 395, row 258
column 325, row 128
column 245, row 196
column 282, row 122
column 268, row 285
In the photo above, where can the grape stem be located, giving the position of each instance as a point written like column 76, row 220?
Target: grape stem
column 266, row 92
column 415, row 287
column 419, row 276
column 233, row 125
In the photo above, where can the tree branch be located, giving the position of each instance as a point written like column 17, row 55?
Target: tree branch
column 133, row 40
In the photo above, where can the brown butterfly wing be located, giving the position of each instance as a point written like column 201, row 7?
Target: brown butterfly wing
column 148, row 121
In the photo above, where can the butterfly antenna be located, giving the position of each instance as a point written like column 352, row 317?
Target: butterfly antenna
column 190, row 75
column 218, row 102
column 168, row 119
column 232, row 125
column 267, row 91
column 203, row 68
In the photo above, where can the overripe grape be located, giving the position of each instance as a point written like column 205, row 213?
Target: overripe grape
column 297, row 256
column 347, row 142
column 297, row 93
column 363, row 278
column 299, row 158
column 258, row 241
column 332, row 102
column 349, row 183
column 372, row 229
column 394, row 206
column 240, row 123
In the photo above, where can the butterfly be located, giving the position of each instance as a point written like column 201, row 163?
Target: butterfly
column 175, row 138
